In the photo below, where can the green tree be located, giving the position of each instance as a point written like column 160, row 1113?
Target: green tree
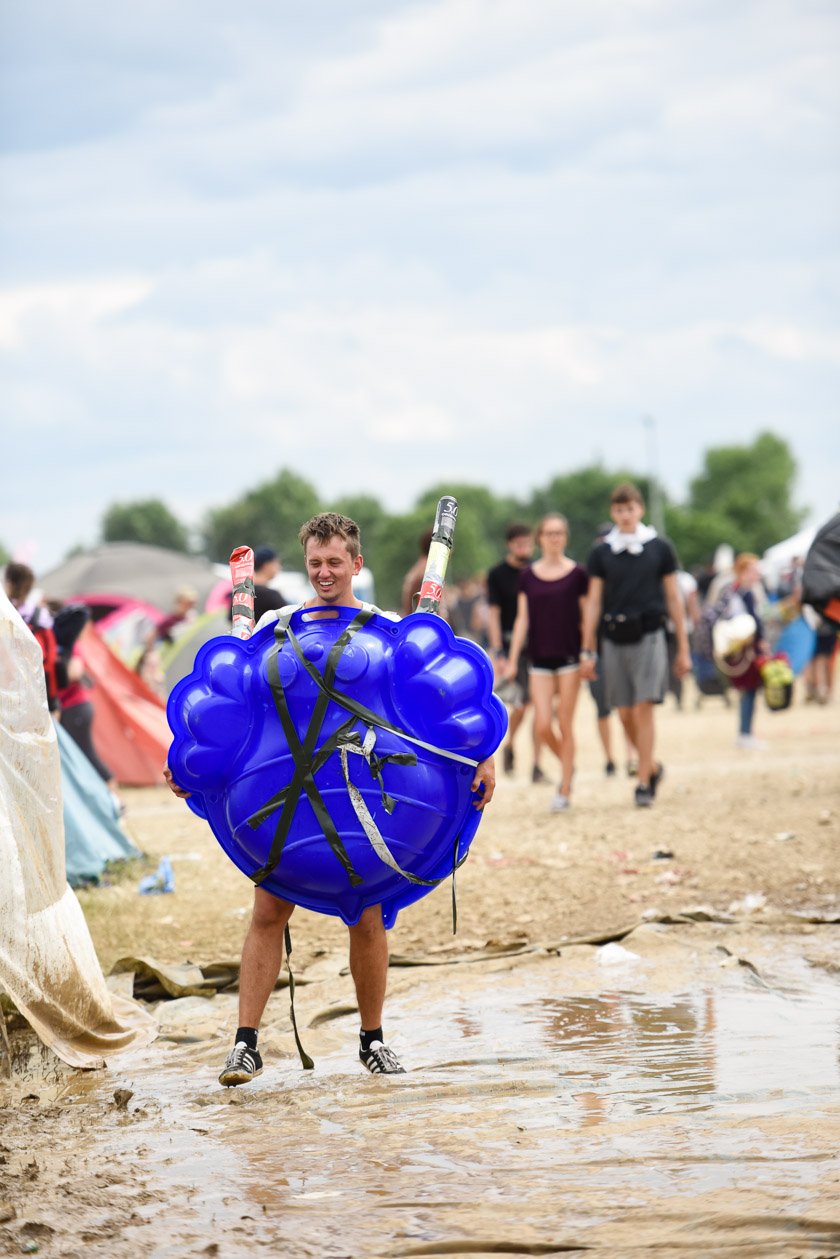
column 146, row 520
column 397, row 551
column 696, row 535
column 270, row 514
column 748, row 488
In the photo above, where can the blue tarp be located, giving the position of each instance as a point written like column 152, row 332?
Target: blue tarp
column 92, row 835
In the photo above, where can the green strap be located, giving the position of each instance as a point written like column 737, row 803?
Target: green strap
column 307, row 762
column 367, row 715
column 302, row 755
column 306, row 1061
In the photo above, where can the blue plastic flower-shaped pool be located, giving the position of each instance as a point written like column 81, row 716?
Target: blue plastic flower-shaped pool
column 334, row 760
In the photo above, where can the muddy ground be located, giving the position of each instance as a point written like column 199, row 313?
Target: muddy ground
column 561, row 1096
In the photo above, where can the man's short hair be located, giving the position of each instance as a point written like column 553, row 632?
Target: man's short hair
column 626, row 493
column 19, row 579
column 329, row 524
column 518, row 531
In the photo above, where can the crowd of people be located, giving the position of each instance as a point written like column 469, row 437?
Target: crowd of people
column 630, row 622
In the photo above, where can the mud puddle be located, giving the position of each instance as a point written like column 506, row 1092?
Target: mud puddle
column 678, row 1092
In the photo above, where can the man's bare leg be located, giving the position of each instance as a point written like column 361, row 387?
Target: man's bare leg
column 628, row 725
column 644, row 734
column 605, row 735
column 369, row 966
column 514, row 722
column 568, row 690
column 262, row 955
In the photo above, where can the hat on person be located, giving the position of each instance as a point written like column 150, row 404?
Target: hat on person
column 264, row 555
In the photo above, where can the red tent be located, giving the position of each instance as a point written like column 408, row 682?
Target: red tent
column 129, row 727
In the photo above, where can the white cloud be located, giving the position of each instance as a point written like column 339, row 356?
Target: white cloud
column 31, row 311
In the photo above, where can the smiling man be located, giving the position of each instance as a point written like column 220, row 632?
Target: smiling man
column 332, row 552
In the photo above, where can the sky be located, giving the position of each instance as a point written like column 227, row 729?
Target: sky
column 387, row 243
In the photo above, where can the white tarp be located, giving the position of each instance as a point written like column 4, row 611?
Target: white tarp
column 777, row 558
column 48, row 965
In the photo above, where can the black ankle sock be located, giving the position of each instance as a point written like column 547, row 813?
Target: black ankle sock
column 248, row 1035
column 367, row 1038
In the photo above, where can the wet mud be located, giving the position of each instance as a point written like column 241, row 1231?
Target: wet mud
column 674, row 1093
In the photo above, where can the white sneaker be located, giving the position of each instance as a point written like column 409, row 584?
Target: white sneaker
column 560, row 803
column 380, row 1060
column 749, row 743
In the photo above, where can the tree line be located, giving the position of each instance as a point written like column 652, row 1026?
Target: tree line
column 742, row 495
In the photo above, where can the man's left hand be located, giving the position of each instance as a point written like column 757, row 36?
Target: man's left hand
column 173, row 786
column 485, row 776
column 682, row 663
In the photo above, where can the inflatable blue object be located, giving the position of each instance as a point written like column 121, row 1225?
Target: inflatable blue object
column 333, row 758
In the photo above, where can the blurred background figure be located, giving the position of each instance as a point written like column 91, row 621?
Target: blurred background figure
column 77, row 709
column 414, row 577
column 747, row 592
column 549, row 616
column 687, row 587
column 19, row 584
column 819, row 674
column 267, row 598
column 502, row 594
column 179, row 618
column 604, row 712
column 468, row 610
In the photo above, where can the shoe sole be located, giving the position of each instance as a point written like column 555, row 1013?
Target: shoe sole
column 229, row 1079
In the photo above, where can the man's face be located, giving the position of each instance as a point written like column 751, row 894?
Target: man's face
column 331, row 569
column 268, row 571
column 627, row 515
column 521, row 549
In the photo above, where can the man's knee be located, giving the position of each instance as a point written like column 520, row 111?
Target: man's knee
column 370, row 925
column 269, row 911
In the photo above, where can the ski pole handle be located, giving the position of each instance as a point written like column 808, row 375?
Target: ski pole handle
column 431, row 591
column 242, row 579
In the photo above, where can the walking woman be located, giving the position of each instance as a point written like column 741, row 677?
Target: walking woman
column 549, row 614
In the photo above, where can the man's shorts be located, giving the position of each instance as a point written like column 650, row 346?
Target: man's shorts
column 635, row 673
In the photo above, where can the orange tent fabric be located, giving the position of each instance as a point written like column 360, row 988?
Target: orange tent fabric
column 129, row 726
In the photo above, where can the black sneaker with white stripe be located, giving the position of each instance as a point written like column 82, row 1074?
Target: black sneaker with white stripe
column 380, row 1060
column 242, row 1065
